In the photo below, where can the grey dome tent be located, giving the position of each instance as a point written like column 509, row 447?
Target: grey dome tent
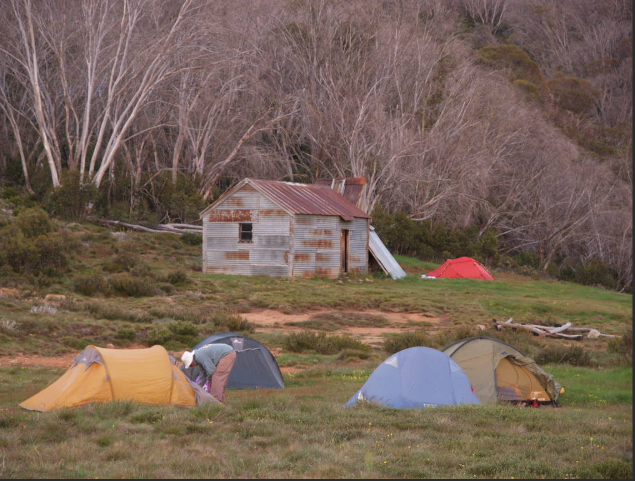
column 255, row 366
column 417, row 377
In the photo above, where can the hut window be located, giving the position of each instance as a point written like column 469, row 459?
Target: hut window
column 245, row 232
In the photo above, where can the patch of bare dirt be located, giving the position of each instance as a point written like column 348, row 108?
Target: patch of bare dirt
column 63, row 361
column 274, row 321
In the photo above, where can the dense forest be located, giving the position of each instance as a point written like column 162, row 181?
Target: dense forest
column 510, row 120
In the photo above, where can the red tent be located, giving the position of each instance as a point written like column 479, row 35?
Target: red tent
column 461, row 267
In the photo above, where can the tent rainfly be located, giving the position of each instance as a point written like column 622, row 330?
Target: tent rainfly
column 98, row 375
column 462, row 267
column 255, row 366
column 416, row 377
column 498, row 370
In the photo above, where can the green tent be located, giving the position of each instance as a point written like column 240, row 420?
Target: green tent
column 498, row 370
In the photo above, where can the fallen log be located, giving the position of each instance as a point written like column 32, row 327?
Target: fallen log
column 587, row 330
column 555, row 330
column 173, row 230
column 115, row 223
column 183, row 226
column 536, row 330
column 159, row 229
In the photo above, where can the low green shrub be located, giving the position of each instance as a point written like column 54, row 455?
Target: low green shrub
column 113, row 312
column 515, row 60
column 91, row 284
column 158, row 335
column 132, row 286
column 178, row 276
column 29, row 246
column 322, row 343
column 574, row 94
column 184, row 314
column 149, row 416
column 174, row 336
column 433, row 241
column 183, row 328
column 192, row 239
column 353, row 354
column 104, row 440
column 399, row 342
column 623, row 346
column 124, row 261
column 126, row 333
column 439, row 340
column 34, row 222
column 72, row 198
column 77, row 343
column 232, row 321
column 574, row 355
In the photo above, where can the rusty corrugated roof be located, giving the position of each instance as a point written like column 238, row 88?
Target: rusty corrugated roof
column 308, row 198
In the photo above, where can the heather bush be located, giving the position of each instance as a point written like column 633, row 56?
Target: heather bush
column 105, row 310
column 44, row 254
column 432, row 241
column 124, row 261
column 183, row 328
column 91, row 284
column 177, row 276
column 34, row 222
column 232, row 322
column 399, row 342
column 158, row 335
column 322, row 343
column 574, row 94
column 132, row 286
column 623, row 346
column 192, row 239
column 72, row 199
column 513, row 58
column 126, row 334
column 558, row 354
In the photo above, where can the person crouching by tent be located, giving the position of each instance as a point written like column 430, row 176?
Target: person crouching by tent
column 215, row 362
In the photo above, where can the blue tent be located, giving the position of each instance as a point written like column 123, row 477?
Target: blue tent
column 417, row 377
column 255, row 366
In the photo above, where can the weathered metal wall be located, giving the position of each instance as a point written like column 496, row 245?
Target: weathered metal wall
column 267, row 254
column 316, row 245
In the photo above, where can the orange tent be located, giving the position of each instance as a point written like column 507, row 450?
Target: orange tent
column 147, row 376
column 460, row 268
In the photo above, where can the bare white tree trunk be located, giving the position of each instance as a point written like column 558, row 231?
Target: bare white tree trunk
column 27, row 56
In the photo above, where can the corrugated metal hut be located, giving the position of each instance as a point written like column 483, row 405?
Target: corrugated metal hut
column 265, row 227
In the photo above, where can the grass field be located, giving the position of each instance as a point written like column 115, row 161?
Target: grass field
column 304, row 430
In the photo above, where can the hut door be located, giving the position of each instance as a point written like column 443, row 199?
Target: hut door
column 344, row 241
